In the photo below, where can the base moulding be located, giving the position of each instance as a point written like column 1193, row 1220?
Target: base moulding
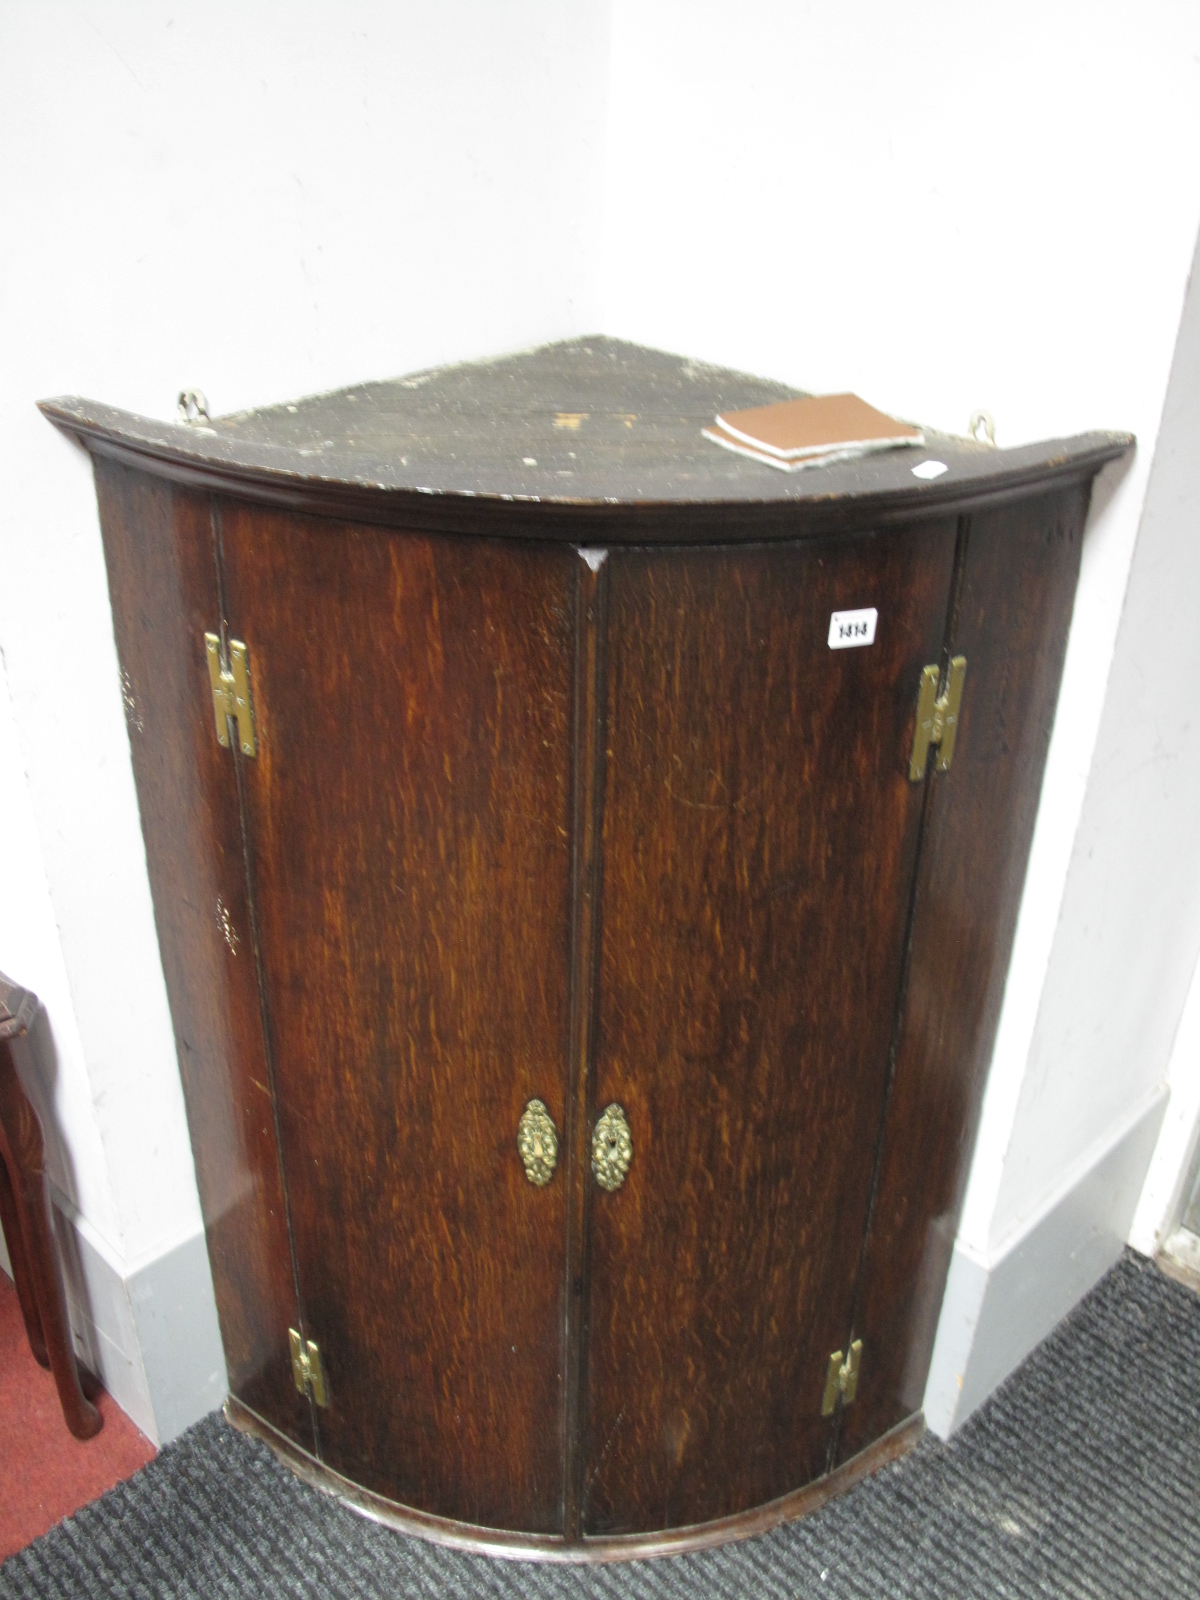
column 542, row 1547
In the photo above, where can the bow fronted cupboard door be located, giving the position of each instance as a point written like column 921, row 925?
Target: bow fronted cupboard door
column 583, row 974
column 409, row 827
column 760, row 840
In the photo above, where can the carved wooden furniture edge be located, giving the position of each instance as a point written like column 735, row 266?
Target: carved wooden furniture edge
column 514, row 1546
column 824, row 500
column 18, row 1007
column 26, row 1217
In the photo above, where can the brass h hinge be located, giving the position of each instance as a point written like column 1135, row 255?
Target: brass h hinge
column 307, row 1369
column 231, row 692
column 841, row 1378
column 937, row 718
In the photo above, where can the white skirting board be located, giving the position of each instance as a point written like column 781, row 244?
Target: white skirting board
column 997, row 1310
column 150, row 1334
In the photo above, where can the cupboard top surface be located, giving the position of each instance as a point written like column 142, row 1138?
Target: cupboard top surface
column 594, row 429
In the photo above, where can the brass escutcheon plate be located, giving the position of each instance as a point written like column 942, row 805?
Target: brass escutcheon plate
column 612, row 1148
column 537, row 1143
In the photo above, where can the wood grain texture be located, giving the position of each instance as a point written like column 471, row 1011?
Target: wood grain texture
column 1018, row 588
column 759, row 841
column 410, row 817
column 25, row 1213
column 158, row 545
column 22, row 1275
column 592, row 439
column 18, row 1008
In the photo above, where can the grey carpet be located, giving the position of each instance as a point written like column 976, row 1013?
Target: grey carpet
column 1081, row 1477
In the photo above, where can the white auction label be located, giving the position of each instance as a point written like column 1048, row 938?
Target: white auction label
column 850, row 629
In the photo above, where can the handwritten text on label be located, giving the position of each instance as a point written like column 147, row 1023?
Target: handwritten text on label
column 850, row 629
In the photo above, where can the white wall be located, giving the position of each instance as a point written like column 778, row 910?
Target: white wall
column 1152, row 884
column 1082, row 1122
column 261, row 201
column 1129, row 929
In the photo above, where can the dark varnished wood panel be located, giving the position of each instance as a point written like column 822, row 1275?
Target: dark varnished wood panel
column 410, row 820
column 162, row 578
column 1017, row 592
column 25, row 1211
column 759, row 838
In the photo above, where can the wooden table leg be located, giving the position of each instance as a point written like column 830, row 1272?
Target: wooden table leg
column 22, row 1152
column 10, row 1222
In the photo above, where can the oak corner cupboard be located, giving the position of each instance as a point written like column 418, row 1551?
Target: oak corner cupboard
column 583, row 971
